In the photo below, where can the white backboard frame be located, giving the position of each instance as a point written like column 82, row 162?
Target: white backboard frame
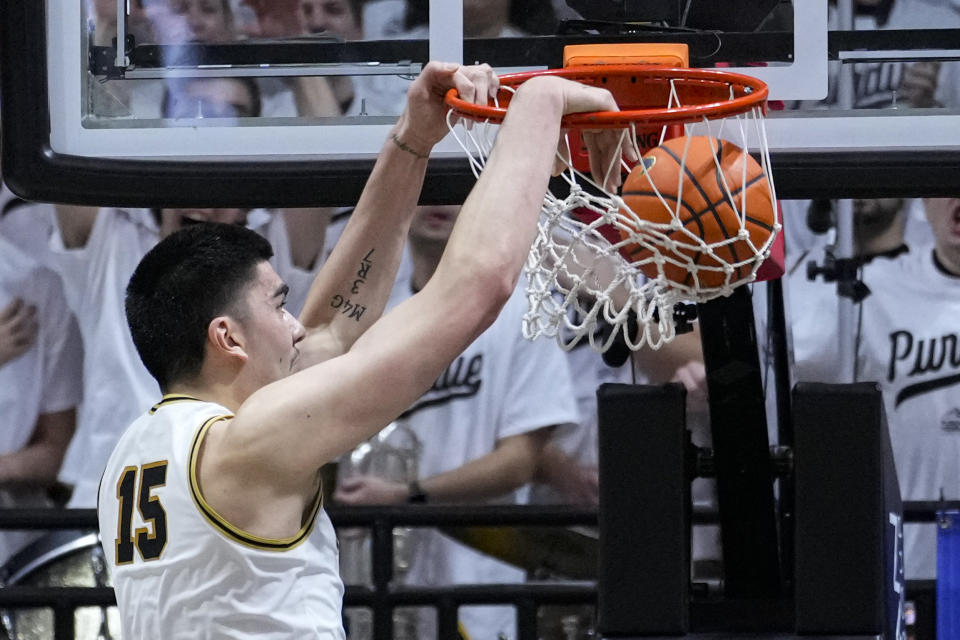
column 806, row 78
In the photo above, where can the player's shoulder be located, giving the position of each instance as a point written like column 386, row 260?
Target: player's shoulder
column 173, row 412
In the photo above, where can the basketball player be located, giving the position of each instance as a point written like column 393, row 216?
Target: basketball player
column 228, row 538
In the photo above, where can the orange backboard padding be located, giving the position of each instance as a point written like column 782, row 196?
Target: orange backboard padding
column 653, row 53
column 660, row 54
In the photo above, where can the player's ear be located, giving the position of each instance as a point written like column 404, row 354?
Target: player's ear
column 225, row 337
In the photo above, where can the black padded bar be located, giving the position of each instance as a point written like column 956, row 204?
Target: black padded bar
column 738, row 424
column 644, row 547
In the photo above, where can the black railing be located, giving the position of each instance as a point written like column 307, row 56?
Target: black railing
column 382, row 596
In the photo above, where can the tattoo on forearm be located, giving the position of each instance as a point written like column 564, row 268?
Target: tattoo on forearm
column 405, row 147
column 352, row 310
column 363, row 272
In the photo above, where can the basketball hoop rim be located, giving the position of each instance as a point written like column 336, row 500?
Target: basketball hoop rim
column 755, row 95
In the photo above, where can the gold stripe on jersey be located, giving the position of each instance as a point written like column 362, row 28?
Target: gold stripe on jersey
column 221, row 524
column 171, row 398
column 121, row 539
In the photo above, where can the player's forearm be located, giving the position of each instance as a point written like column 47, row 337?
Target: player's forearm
column 517, row 173
column 354, row 285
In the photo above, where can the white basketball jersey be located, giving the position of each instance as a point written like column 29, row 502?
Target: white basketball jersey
column 180, row 570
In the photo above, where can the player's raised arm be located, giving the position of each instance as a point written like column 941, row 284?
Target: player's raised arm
column 352, row 289
column 319, row 413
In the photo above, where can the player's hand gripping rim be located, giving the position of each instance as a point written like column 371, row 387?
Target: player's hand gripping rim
column 424, row 121
column 606, row 147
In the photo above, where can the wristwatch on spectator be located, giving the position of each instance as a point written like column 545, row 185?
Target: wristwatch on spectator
column 416, row 494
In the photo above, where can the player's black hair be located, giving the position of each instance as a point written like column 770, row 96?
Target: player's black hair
column 536, row 17
column 188, row 279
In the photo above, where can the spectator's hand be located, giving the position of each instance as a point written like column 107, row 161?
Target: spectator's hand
column 693, row 376
column 919, row 84
column 279, row 18
column 370, row 490
column 424, row 121
column 18, row 329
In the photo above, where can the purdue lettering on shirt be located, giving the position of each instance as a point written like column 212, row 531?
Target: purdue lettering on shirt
column 462, row 379
column 910, row 357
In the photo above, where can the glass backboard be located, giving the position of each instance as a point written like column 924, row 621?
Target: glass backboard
column 298, row 95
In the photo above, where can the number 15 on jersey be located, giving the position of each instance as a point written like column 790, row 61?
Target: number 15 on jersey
column 136, row 485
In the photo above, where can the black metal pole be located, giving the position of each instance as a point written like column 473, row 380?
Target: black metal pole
column 527, row 619
column 63, row 626
column 779, row 353
column 382, row 560
column 447, row 626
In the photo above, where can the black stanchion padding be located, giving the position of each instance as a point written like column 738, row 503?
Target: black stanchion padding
column 849, row 575
column 644, row 573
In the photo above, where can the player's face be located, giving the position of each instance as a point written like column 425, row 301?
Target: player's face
column 272, row 332
column 433, row 223
column 334, row 17
column 944, row 217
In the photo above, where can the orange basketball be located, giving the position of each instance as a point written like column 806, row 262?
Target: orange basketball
column 706, row 209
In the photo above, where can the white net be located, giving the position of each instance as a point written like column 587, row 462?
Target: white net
column 695, row 219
